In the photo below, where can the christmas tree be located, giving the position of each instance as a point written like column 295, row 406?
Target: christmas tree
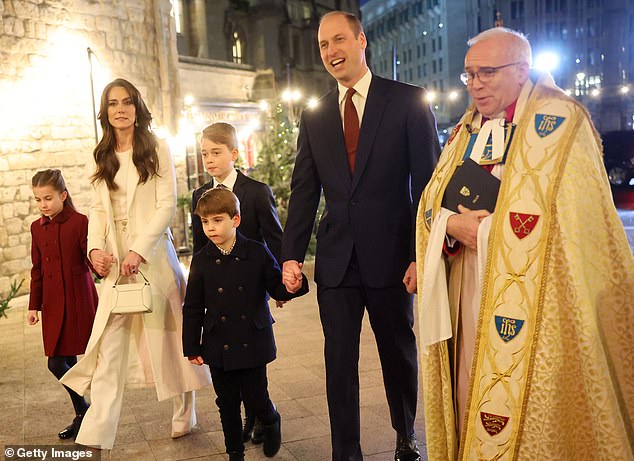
column 276, row 158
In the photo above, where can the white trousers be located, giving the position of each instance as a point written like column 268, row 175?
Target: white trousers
column 99, row 426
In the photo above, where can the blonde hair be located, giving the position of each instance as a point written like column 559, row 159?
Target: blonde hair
column 221, row 133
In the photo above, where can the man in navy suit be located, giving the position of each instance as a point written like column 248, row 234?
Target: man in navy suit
column 372, row 176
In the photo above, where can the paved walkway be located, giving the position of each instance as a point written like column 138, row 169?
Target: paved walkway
column 35, row 407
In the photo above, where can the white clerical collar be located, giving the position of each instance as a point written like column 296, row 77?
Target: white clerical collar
column 362, row 87
column 229, row 181
column 493, row 129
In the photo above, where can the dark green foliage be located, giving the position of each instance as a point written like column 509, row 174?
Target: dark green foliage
column 277, row 157
column 275, row 163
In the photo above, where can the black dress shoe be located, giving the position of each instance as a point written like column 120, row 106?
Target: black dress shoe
column 247, row 430
column 257, row 437
column 406, row 449
column 272, row 437
column 70, row 431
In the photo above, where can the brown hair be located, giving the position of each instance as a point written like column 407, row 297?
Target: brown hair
column 221, row 133
column 218, row 201
column 53, row 178
column 353, row 21
column 144, row 144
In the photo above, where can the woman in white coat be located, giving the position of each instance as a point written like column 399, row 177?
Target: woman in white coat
column 134, row 201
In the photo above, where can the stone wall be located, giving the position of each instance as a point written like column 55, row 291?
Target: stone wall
column 46, row 119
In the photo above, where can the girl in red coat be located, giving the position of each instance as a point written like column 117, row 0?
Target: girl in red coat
column 61, row 283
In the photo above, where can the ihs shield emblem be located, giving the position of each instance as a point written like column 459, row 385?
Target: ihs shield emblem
column 508, row 328
column 546, row 124
column 428, row 217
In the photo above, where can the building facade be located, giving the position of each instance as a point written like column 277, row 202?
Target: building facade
column 275, row 35
column 421, row 42
column 52, row 57
column 589, row 43
column 194, row 61
column 585, row 44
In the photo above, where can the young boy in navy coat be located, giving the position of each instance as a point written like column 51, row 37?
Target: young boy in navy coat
column 226, row 300
column 258, row 215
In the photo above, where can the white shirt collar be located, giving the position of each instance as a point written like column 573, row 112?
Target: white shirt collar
column 229, row 181
column 362, row 87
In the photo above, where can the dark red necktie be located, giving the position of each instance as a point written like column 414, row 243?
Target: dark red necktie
column 350, row 128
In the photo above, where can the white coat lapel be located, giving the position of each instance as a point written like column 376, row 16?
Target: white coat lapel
column 108, row 226
column 133, row 180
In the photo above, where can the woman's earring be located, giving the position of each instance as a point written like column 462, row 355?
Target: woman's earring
column 136, row 122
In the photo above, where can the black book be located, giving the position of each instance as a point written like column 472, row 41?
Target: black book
column 472, row 187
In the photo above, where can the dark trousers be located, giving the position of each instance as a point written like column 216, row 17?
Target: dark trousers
column 392, row 319
column 248, row 385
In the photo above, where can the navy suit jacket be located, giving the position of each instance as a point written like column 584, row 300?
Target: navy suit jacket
column 374, row 210
column 259, row 220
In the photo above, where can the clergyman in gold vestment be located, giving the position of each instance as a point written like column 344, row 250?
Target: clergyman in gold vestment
column 526, row 314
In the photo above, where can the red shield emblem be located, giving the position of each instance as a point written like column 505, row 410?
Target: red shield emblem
column 454, row 133
column 522, row 223
column 493, row 424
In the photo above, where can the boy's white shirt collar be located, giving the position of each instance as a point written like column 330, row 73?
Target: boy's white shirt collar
column 229, row 181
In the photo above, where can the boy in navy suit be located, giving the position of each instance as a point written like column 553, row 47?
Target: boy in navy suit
column 219, row 146
column 259, row 219
column 227, row 300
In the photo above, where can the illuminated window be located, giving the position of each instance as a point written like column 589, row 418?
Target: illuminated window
column 237, row 48
column 177, row 11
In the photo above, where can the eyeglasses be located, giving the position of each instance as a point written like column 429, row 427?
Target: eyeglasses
column 484, row 74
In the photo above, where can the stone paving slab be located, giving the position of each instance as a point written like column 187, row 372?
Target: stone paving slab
column 35, row 407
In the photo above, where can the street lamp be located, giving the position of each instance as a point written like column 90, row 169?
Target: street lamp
column 312, row 103
column 292, row 96
column 547, row 61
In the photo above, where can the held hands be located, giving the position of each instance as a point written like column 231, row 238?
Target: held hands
column 292, row 275
column 101, row 261
column 32, row 317
column 195, row 359
column 464, row 226
column 131, row 263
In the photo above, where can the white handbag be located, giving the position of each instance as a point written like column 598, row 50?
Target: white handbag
column 132, row 298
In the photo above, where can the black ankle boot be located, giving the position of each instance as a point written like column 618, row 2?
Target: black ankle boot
column 72, row 429
column 236, row 456
column 272, row 437
column 258, row 432
column 247, row 431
